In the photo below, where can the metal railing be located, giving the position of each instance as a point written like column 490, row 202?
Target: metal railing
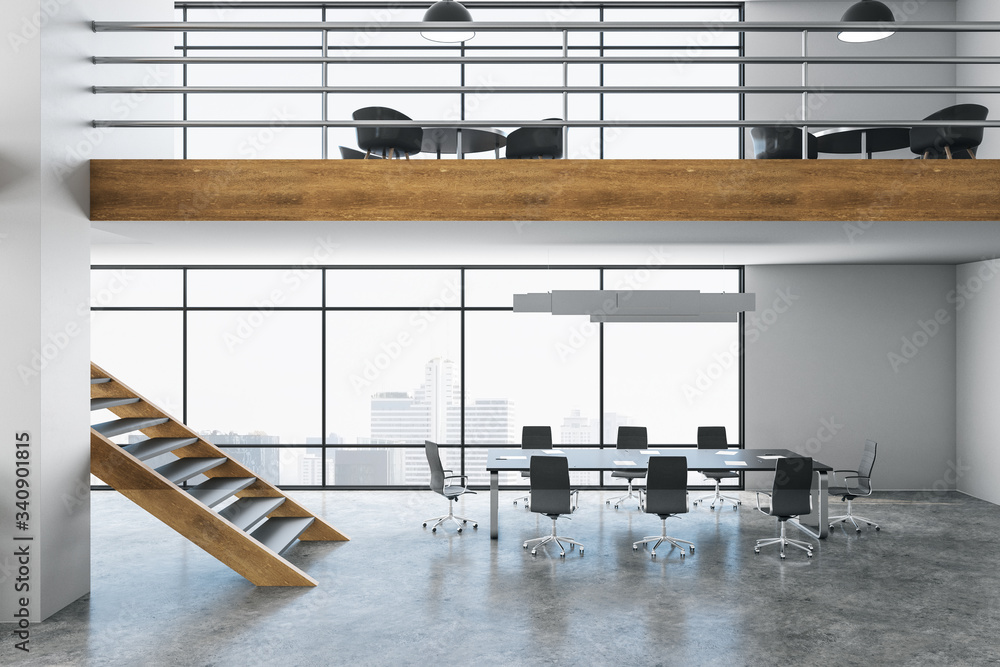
column 566, row 59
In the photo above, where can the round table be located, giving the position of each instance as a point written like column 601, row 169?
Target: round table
column 866, row 140
column 474, row 140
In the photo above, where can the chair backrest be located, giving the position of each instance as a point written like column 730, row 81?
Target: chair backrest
column 434, row 463
column 405, row 139
column 549, row 485
column 536, row 437
column 935, row 138
column 712, row 437
column 666, row 485
column 791, row 494
column 865, row 468
column 781, row 143
column 632, row 437
column 532, row 142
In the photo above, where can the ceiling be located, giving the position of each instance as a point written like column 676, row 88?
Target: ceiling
column 543, row 243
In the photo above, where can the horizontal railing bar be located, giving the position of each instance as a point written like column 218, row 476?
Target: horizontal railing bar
column 541, row 90
column 484, row 4
column 539, row 26
column 455, row 47
column 786, row 122
column 572, row 60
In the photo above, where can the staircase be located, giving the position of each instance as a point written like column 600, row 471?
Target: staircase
column 248, row 534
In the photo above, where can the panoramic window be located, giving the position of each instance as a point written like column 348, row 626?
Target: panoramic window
column 335, row 376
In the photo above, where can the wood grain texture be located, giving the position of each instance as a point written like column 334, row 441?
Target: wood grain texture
column 506, row 190
column 320, row 530
column 191, row 518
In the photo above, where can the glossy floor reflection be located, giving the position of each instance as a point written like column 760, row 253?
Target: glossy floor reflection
column 924, row 590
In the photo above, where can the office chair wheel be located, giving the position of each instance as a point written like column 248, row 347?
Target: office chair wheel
column 635, row 548
column 459, row 530
column 682, row 554
column 692, row 549
column 608, row 503
column 562, row 554
column 736, row 506
column 782, row 556
column 694, row 502
column 876, row 529
column 711, row 507
column 809, row 554
column 581, row 551
column 756, row 550
column 434, row 530
column 425, row 524
column 831, row 526
column 476, row 526
column 534, row 553
column 857, row 530
column 524, row 546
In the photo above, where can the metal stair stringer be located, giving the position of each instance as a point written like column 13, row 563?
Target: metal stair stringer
column 251, row 555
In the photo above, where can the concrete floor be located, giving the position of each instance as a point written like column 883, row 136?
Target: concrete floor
column 923, row 591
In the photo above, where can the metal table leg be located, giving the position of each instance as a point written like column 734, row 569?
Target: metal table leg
column 822, row 509
column 494, row 503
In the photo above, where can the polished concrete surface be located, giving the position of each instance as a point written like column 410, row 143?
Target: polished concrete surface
column 923, row 591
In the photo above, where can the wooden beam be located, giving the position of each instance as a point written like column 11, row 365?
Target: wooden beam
column 501, row 190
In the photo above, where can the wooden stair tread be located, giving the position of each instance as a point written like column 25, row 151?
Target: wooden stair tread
column 213, row 491
column 102, row 403
column 184, row 469
column 245, row 512
column 147, row 449
column 278, row 533
column 118, row 426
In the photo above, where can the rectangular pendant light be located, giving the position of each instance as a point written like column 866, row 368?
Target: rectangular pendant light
column 638, row 305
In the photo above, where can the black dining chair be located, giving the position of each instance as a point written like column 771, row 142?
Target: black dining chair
column 529, row 143
column 387, row 140
column 550, row 495
column 666, row 496
column 791, row 496
column 714, row 437
column 353, row 154
column 629, row 437
column 534, row 437
column 781, row 143
column 941, row 141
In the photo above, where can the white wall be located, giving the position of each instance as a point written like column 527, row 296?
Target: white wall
column 981, row 44
column 848, row 106
column 45, row 260
column 978, row 383
column 828, row 365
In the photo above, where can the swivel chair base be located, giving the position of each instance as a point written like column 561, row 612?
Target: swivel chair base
column 662, row 537
column 622, row 499
column 782, row 541
column 450, row 516
column 852, row 518
column 718, row 497
column 558, row 539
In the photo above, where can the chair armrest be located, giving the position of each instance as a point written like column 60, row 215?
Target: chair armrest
column 759, row 508
column 859, row 477
column 574, row 493
column 462, row 477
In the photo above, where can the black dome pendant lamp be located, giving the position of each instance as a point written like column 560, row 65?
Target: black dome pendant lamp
column 869, row 11
column 448, row 10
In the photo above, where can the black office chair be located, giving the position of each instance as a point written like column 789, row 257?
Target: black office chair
column 781, row 143
column 666, row 496
column 535, row 142
column 550, row 495
column 861, row 487
column 790, row 497
column 935, row 142
column 534, row 437
column 714, row 437
column 440, row 485
column 629, row 437
column 374, row 139
column 352, row 154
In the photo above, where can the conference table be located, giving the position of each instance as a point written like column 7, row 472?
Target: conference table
column 461, row 140
column 863, row 140
column 703, row 460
